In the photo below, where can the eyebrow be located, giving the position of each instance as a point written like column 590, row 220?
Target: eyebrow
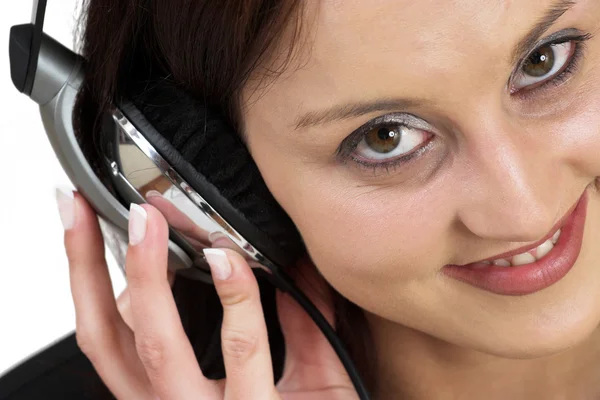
column 353, row 110
column 347, row 111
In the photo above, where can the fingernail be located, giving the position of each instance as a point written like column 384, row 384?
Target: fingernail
column 216, row 235
column 219, row 263
column 66, row 207
column 219, row 239
column 137, row 224
column 152, row 193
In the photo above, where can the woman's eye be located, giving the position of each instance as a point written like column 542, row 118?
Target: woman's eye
column 544, row 64
column 388, row 142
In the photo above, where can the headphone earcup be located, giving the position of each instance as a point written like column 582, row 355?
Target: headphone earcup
column 204, row 149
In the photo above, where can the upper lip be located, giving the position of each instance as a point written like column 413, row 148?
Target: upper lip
column 532, row 246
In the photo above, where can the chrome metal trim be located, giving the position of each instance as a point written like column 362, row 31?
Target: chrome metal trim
column 132, row 135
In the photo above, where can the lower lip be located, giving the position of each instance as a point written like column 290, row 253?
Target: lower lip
column 530, row 278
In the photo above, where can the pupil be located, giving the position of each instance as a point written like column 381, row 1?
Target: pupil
column 385, row 139
column 540, row 63
column 538, row 58
column 385, row 134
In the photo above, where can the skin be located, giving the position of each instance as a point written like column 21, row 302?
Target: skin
column 503, row 170
column 138, row 346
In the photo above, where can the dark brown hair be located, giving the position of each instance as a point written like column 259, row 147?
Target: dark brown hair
column 210, row 49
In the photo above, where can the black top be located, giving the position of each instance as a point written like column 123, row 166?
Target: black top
column 60, row 371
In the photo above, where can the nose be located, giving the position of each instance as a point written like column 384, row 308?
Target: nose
column 511, row 185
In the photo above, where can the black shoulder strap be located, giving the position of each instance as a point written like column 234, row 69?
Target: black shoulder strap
column 61, row 371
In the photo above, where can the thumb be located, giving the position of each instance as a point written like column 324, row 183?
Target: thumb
column 310, row 362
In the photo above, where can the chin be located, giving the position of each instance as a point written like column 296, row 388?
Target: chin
column 549, row 338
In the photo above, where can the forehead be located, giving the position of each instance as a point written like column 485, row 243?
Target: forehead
column 425, row 18
column 360, row 49
column 427, row 29
column 350, row 27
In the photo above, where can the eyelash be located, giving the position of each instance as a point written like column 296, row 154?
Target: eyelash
column 580, row 44
column 394, row 163
column 347, row 147
column 344, row 152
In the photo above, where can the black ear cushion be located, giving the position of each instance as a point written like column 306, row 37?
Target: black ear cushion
column 204, row 149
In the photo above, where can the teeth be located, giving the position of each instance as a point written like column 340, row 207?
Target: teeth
column 555, row 237
column 543, row 249
column 528, row 257
column 501, row 263
column 522, row 259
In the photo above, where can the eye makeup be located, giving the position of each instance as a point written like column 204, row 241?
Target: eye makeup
column 578, row 40
column 345, row 151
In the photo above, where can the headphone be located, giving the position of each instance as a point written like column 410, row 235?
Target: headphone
column 160, row 139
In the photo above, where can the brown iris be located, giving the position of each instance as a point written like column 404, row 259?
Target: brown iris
column 384, row 139
column 540, row 63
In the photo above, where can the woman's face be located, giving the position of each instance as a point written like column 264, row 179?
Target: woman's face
column 414, row 135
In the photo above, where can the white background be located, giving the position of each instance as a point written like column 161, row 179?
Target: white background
column 36, row 306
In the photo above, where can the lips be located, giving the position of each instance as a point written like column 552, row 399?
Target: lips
column 534, row 276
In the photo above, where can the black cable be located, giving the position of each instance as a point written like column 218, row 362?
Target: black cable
column 284, row 283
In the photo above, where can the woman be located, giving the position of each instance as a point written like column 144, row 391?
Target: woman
column 439, row 160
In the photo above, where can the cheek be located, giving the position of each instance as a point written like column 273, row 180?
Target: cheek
column 363, row 239
column 579, row 139
column 370, row 243
column 580, row 142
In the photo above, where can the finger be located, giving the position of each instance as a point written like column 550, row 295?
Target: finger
column 310, row 360
column 161, row 342
column 100, row 331
column 124, row 302
column 220, row 240
column 244, row 340
column 124, row 307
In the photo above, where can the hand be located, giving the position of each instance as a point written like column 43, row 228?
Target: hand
column 150, row 356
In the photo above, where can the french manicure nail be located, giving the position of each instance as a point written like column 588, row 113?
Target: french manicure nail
column 137, row 224
column 66, row 207
column 153, row 193
column 216, row 235
column 219, row 263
